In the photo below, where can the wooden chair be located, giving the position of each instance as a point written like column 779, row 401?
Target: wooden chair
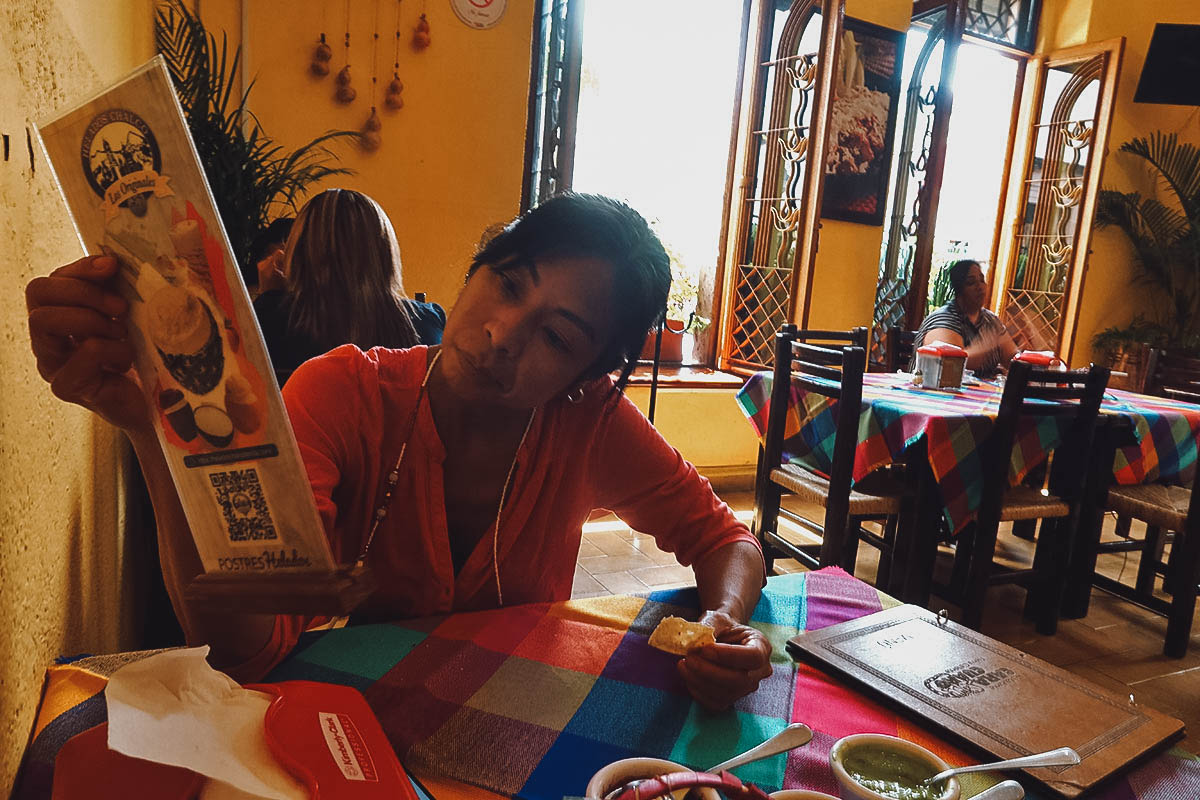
column 1172, row 516
column 899, row 351
column 1077, row 395
column 829, row 363
column 1168, row 374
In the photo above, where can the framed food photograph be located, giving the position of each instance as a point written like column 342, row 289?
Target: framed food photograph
column 862, row 123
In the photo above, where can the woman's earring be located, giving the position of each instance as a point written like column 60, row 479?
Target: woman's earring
column 576, row 396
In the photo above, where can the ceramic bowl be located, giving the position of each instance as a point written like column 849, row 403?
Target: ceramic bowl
column 800, row 794
column 851, row 789
column 618, row 773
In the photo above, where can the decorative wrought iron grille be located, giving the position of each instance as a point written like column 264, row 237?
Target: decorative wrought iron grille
column 772, row 210
column 907, row 221
column 552, row 103
column 1012, row 22
column 1035, row 299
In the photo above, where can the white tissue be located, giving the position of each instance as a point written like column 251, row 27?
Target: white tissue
column 173, row 708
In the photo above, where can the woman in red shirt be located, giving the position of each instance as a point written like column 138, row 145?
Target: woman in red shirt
column 485, row 454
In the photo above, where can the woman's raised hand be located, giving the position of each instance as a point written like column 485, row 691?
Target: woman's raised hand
column 77, row 326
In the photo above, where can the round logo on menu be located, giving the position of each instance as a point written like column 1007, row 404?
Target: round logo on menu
column 121, row 159
column 479, row 13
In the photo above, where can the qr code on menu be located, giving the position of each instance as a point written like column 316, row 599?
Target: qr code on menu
column 243, row 505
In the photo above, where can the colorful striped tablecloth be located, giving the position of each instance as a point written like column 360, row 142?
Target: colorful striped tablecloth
column 896, row 414
column 530, row 701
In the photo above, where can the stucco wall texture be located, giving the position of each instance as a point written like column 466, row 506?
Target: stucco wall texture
column 64, row 581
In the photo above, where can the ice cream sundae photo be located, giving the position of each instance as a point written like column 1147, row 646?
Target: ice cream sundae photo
column 187, row 338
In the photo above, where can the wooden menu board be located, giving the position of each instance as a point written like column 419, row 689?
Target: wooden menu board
column 126, row 165
column 1002, row 701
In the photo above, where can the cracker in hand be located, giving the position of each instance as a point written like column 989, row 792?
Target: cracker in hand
column 676, row 635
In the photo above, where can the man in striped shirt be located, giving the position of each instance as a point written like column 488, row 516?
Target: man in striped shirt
column 965, row 322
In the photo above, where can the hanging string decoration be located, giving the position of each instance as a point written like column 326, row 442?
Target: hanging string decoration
column 371, row 138
column 421, row 38
column 392, row 98
column 345, row 92
column 321, row 58
column 322, row 55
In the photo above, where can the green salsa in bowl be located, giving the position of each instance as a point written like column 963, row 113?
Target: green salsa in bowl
column 872, row 766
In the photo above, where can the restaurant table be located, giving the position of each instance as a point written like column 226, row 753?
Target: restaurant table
column 952, row 424
column 530, row 701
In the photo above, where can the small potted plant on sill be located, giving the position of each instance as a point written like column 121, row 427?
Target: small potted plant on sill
column 681, row 318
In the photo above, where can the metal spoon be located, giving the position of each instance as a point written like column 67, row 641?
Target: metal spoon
column 1006, row 790
column 791, row 737
column 1063, row 756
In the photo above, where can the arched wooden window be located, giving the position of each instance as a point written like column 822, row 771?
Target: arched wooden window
column 778, row 207
column 1072, row 108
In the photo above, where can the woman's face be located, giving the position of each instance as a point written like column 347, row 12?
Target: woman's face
column 521, row 337
column 975, row 290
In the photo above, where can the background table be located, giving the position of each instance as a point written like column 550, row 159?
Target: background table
column 530, row 701
column 895, row 415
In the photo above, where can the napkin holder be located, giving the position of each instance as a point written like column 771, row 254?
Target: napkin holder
column 324, row 735
column 1040, row 358
column 940, row 365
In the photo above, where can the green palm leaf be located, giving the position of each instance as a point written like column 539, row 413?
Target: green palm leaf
column 1165, row 239
column 1178, row 164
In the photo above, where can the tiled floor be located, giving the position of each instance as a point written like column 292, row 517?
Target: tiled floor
column 1118, row 645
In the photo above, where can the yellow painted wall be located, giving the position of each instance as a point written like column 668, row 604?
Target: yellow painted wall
column 452, row 158
column 706, row 425
column 847, row 265
column 1108, row 296
column 65, row 585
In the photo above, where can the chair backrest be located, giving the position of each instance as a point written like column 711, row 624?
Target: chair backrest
column 899, row 348
column 1076, row 396
column 1167, row 372
column 829, row 363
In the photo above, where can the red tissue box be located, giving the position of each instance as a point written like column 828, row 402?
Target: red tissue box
column 324, row 735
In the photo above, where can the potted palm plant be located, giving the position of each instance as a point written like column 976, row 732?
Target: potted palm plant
column 1165, row 234
column 253, row 179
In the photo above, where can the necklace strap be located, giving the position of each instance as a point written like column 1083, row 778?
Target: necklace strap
column 393, row 476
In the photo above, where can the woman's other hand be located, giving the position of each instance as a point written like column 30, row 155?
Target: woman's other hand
column 77, row 326
column 718, row 674
column 270, row 272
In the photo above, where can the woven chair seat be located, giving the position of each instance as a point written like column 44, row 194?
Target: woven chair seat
column 1024, row 502
column 815, row 489
column 1153, row 503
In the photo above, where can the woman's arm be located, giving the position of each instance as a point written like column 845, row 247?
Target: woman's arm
column 980, row 353
column 78, row 330
column 654, row 489
column 730, row 580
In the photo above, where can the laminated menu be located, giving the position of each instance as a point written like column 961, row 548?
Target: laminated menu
column 993, row 697
column 134, row 185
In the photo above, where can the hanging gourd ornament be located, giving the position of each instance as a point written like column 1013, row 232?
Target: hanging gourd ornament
column 321, row 57
column 392, row 98
column 421, row 38
column 345, row 92
column 369, row 137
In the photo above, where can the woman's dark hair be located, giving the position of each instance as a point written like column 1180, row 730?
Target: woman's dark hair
column 342, row 263
column 592, row 226
column 959, row 271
